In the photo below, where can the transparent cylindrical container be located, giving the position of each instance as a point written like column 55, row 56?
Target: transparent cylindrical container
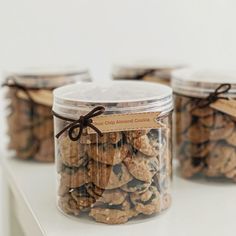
column 147, row 71
column 29, row 104
column 205, row 123
column 123, row 174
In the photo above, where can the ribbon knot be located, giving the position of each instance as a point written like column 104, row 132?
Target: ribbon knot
column 213, row 97
column 82, row 123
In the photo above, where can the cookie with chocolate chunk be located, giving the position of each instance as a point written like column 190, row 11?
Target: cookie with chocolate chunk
column 223, row 132
column 183, row 122
column 148, row 202
column 200, row 112
column 136, row 185
column 142, row 167
column 231, row 163
column 181, row 103
column 69, row 205
column 217, row 120
column 189, row 169
column 108, row 177
column 221, row 160
column 198, row 150
column 145, row 145
column 232, row 138
column 107, row 153
column 231, row 174
column 111, row 197
column 136, row 133
column 26, row 147
column 63, row 189
column 94, row 191
column 197, row 134
column 82, row 199
column 112, row 137
column 43, row 129
column 46, row 151
column 111, row 216
column 43, row 111
column 74, row 177
column 72, row 153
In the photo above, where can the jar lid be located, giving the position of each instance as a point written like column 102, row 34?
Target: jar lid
column 47, row 77
column 202, row 82
column 115, row 96
column 129, row 70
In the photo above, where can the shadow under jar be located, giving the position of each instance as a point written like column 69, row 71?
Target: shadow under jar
column 29, row 116
column 126, row 172
column 205, row 123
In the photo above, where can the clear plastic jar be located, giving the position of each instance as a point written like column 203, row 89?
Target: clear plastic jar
column 125, row 173
column 205, row 126
column 147, row 71
column 29, row 116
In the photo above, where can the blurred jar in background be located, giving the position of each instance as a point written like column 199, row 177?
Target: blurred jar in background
column 205, row 123
column 29, row 104
column 147, row 71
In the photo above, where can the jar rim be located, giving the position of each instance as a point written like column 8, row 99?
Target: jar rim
column 199, row 82
column 46, row 71
column 131, row 69
column 43, row 77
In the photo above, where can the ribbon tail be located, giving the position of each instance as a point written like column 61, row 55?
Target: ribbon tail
column 95, row 112
column 64, row 129
column 80, row 133
column 96, row 130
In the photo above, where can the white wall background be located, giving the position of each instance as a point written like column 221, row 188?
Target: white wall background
column 97, row 32
column 54, row 32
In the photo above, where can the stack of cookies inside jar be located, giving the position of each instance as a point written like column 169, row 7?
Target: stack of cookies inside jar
column 113, row 152
column 205, row 123
column 145, row 70
column 29, row 105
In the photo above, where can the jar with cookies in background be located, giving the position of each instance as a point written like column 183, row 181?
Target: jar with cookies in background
column 29, row 105
column 113, row 149
column 205, row 123
column 150, row 71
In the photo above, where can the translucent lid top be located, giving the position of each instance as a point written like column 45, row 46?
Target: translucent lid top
column 201, row 82
column 115, row 96
column 47, row 77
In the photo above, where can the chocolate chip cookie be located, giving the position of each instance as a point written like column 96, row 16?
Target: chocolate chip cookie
column 148, row 202
column 108, row 177
column 74, row 177
column 142, row 167
column 107, row 153
column 72, row 153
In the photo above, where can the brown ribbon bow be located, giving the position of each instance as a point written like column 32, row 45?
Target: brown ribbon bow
column 81, row 123
column 213, row 97
column 11, row 83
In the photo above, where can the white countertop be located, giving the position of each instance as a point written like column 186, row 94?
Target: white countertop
column 199, row 207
